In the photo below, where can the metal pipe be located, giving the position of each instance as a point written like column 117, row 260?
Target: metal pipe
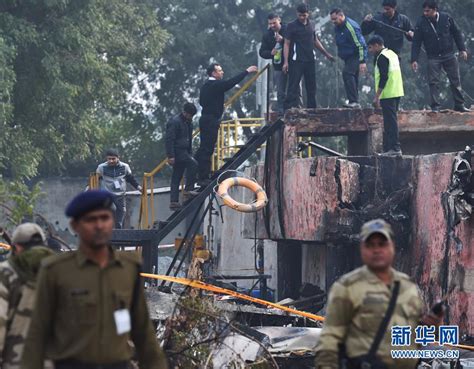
column 268, row 94
column 389, row 26
column 304, row 145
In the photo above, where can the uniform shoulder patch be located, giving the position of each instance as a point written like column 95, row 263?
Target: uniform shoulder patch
column 351, row 277
column 58, row 258
column 130, row 256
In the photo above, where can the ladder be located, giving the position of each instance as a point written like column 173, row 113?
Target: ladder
column 150, row 239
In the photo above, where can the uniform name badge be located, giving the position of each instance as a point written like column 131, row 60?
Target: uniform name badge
column 122, row 321
column 117, row 185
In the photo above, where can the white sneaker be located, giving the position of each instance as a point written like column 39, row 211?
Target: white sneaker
column 352, row 105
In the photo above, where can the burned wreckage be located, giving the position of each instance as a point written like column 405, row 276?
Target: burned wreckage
column 309, row 236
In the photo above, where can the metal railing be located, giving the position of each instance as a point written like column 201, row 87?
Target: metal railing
column 147, row 210
column 228, row 143
column 93, row 181
column 229, row 139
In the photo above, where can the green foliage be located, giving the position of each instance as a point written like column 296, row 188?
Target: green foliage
column 75, row 63
column 17, row 200
column 79, row 76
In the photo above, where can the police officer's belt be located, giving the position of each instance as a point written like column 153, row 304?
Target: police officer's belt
column 74, row 364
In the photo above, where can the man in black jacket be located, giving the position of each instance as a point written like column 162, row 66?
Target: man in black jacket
column 179, row 138
column 298, row 50
column 272, row 48
column 438, row 32
column 211, row 99
column 381, row 25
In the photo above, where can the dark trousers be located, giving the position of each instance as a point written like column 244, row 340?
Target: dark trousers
column 350, row 76
column 390, row 124
column 451, row 67
column 119, row 211
column 209, row 129
column 280, row 80
column 183, row 162
column 296, row 71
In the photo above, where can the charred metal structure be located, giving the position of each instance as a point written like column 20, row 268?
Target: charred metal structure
column 318, row 204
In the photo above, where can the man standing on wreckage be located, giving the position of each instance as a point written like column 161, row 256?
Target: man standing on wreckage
column 364, row 304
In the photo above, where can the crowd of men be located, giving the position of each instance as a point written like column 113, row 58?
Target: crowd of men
column 291, row 47
column 436, row 32
column 86, row 309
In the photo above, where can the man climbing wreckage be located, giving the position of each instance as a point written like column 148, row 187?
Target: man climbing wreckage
column 113, row 177
column 211, row 99
column 179, row 147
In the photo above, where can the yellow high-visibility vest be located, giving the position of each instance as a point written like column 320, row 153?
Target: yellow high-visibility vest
column 394, row 86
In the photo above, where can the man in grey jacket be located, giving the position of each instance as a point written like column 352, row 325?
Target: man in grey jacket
column 114, row 176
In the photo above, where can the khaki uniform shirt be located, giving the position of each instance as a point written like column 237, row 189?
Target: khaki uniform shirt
column 356, row 306
column 16, row 304
column 74, row 314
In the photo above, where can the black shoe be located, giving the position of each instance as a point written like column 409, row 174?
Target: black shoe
column 175, row 206
column 435, row 110
column 204, row 183
column 462, row 109
column 190, row 194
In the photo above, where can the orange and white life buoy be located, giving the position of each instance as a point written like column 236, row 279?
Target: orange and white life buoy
column 261, row 201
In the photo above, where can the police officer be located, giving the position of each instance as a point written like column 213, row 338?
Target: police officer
column 17, row 289
column 388, row 91
column 90, row 302
column 359, row 300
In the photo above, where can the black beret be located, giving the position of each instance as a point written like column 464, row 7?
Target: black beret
column 89, row 201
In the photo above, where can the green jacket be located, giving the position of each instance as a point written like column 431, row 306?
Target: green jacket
column 74, row 314
column 356, row 306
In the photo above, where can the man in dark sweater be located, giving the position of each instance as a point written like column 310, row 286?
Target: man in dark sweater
column 211, row 99
column 381, row 25
column 272, row 48
column 179, row 140
column 298, row 50
column 438, row 32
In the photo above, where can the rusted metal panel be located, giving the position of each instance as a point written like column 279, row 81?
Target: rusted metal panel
column 421, row 132
column 438, row 268
column 328, row 208
column 329, row 121
column 308, row 200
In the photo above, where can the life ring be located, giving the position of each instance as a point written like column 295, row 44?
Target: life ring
column 261, row 201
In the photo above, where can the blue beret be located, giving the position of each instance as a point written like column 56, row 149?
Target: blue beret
column 89, row 201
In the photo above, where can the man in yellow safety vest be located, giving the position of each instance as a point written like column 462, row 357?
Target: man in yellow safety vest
column 388, row 91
